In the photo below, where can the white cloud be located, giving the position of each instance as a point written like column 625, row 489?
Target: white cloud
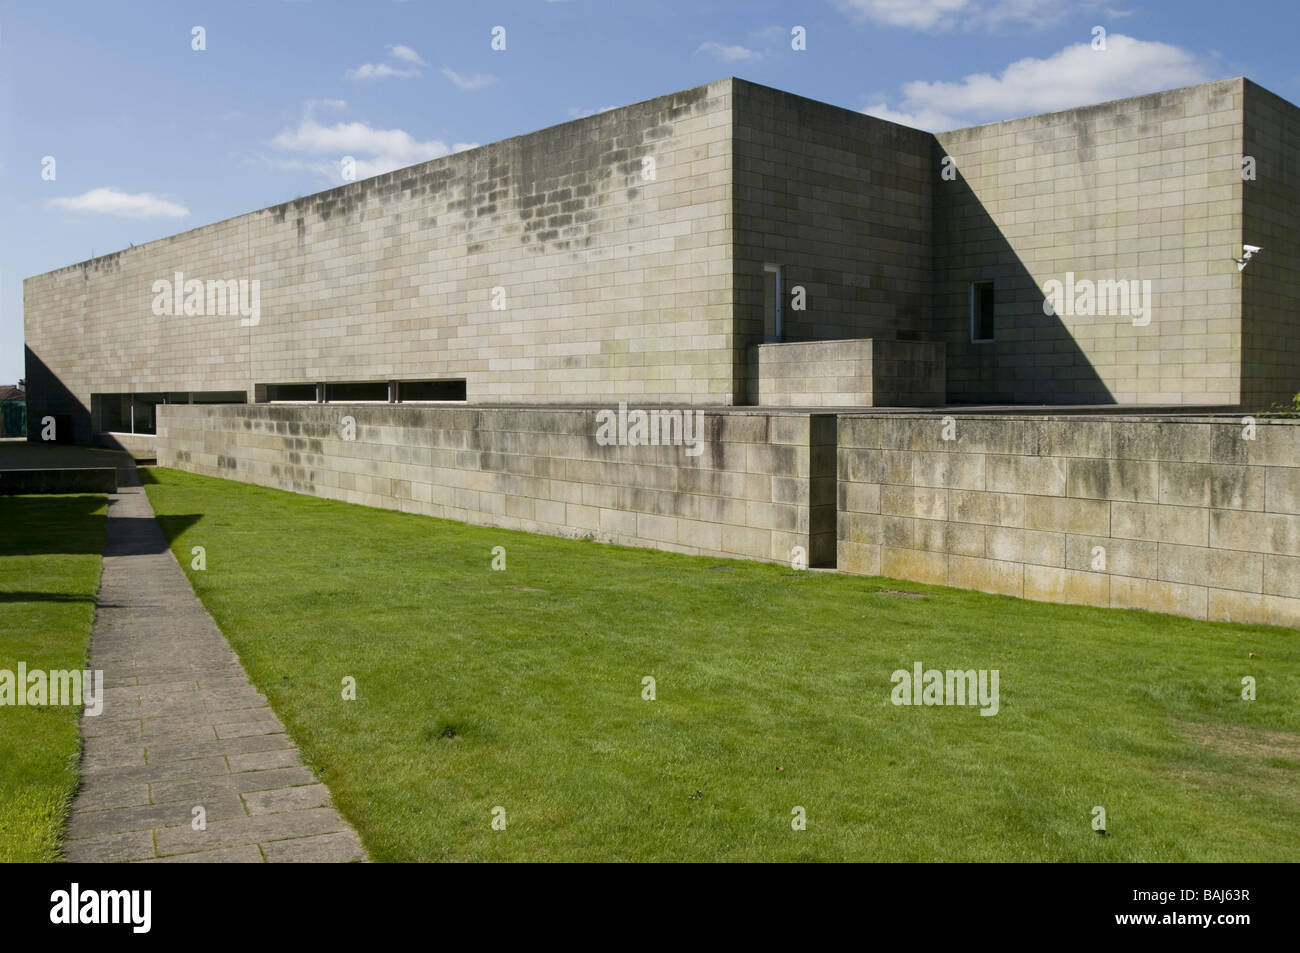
column 917, row 14
column 380, row 71
column 349, row 137
column 376, row 151
column 111, row 201
column 1034, row 12
column 727, row 53
column 1077, row 75
column 399, row 51
column 933, row 15
column 310, row 106
column 470, row 83
column 928, row 119
column 576, row 113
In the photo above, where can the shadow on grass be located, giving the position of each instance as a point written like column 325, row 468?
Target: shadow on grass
column 45, row 525
column 175, row 524
column 145, row 536
column 20, row 595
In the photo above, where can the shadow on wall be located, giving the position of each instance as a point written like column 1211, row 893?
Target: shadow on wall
column 48, row 397
column 1034, row 357
column 842, row 208
column 74, row 422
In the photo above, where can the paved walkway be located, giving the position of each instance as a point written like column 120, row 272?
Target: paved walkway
column 182, row 727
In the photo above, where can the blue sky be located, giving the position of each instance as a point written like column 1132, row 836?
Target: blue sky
column 150, row 137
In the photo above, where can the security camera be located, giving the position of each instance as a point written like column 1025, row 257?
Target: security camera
column 1248, row 252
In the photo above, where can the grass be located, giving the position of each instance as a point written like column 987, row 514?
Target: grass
column 49, row 574
column 522, row 689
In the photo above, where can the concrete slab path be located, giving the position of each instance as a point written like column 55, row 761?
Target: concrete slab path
column 183, row 728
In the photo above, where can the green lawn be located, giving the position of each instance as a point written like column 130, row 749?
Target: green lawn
column 523, row 689
column 49, row 574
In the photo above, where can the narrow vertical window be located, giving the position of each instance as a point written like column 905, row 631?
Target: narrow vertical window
column 771, row 303
column 982, row 324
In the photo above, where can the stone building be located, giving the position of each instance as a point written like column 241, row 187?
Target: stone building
column 790, row 269
column 648, row 253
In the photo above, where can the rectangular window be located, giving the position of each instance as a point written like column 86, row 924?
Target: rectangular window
column 142, row 412
column 982, row 326
column 219, row 397
column 357, row 392
column 137, row 413
column 430, row 390
column 111, row 413
column 771, row 303
column 276, row 392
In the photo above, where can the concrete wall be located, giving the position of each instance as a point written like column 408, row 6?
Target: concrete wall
column 842, row 201
column 851, row 373
column 1190, row 517
column 1193, row 519
column 1139, row 189
column 763, row 484
column 141, row 446
column 616, row 285
column 59, row 480
column 1270, row 285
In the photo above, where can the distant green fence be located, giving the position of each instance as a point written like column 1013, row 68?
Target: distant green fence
column 15, row 418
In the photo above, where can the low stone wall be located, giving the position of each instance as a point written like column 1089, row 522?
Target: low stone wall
column 1197, row 516
column 1183, row 515
column 59, row 480
column 141, row 446
column 866, row 372
column 761, row 484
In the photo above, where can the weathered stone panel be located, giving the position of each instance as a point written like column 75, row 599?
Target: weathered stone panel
column 1189, row 515
column 761, row 484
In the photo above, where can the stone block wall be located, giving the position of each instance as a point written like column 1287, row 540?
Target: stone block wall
column 751, row 492
column 621, row 256
column 1270, row 283
column 868, row 372
column 1179, row 515
column 1138, row 189
column 59, row 480
column 609, row 238
column 840, row 200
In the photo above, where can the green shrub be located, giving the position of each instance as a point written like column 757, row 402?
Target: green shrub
column 1284, row 410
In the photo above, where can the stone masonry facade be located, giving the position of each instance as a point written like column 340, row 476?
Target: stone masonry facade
column 762, row 483
column 853, row 373
column 1194, row 516
column 622, row 256
column 779, row 266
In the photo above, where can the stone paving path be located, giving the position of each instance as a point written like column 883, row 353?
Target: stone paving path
column 182, row 727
